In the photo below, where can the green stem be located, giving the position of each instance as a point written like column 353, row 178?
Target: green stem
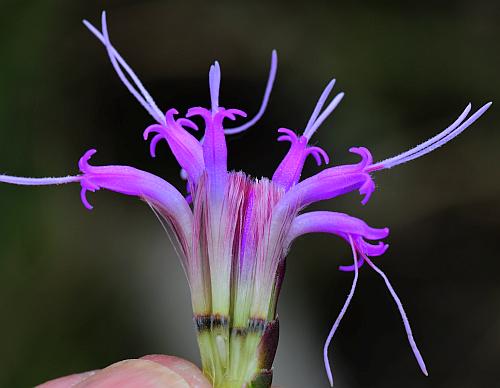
column 237, row 357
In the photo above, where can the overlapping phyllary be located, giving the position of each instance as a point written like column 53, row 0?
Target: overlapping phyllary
column 233, row 231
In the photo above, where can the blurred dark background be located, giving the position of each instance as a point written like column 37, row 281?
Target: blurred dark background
column 80, row 290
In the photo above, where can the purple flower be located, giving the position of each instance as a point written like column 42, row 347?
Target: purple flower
column 234, row 231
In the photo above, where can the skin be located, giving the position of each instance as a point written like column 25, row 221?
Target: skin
column 153, row 371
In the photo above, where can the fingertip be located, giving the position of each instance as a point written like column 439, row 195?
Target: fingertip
column 133, row 373
column 67, row 381
column 189, row 371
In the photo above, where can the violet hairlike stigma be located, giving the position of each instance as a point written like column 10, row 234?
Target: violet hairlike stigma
column 233, row 231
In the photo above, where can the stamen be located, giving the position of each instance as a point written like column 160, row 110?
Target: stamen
column 327, row 112
column 289, row 135
column 437, row 141
column 214, row 85
column 351, row 268
column 341, row 314
column 372, row 249
column 154, row 143
column 320, row 104
column 286, row 138
column 265, row 99
column 15, row 180
column 87, row 186
column 314, row 122
column 117, row 60
column 318, row 153
column 406, row 323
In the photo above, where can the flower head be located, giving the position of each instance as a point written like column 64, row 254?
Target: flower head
column 234, row 231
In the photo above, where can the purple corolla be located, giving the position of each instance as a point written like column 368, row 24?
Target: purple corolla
column 234, row 231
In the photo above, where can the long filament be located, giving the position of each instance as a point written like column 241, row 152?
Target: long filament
column 341, row 314
column 265, row 99
column 402, row 312
column 323, row 116
column 436, row 141
column 320, row 103
column 214, row 85
column 117, row 60
column 15, row 180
